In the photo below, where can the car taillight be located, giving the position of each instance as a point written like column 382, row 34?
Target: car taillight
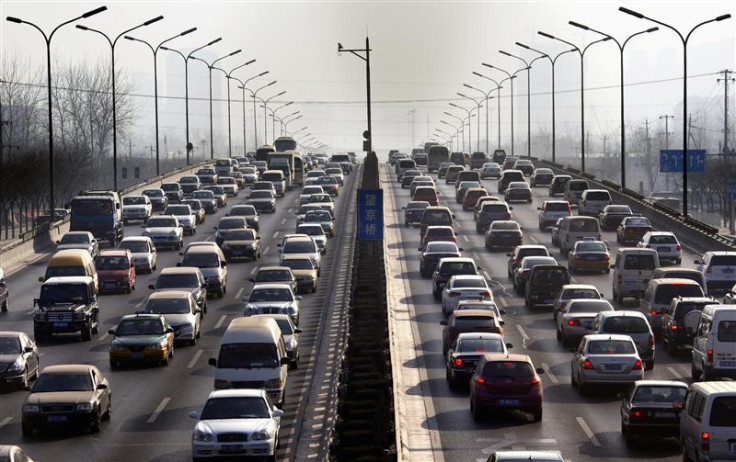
column 634, row 413
column 454, row 294
column 710, row 355
column 480, row 379
column 587, row 364
column 459, row 362
column 653, row 312
column 705, row 441
column 637, row 365
column 673, row 327
column 573, row 322
column 507, row 216
column 679, row 247
column 651, row 341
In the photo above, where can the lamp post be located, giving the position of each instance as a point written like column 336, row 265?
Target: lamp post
column 242, row 86
column 582, row 88
column 684, row 89
column 467, row 111
column 112, row 44
column 461, row 130
column 273, row 116
column 286, row 125
column 254, row 95
column 621, row 47
column 487, row 96
column 227, row 81
column 498, row 101
column 553, row 61
column 478, row 105
column 509, row 77
column 264, row 102
column 189, row 146
column 528, row 98
column 282, row 119
column 210, row 67
column 47, row 39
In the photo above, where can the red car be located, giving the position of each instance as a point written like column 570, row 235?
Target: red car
column 471, row 197
column 438, row 233
column 425, row 193
column 116, row 270
column 506, row 381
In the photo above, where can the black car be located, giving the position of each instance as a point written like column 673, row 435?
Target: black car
column 158, row 198
column 241, row 243
column 247, row 211
column 433, row 253
column 612, row 215
column 467, row 352
column 675, row 332
column 557, row 186
column 19, row 360
column 413, row 212
column 541, row 177
column 543, row 284
column 173, row 192
column 503, row 233
column 207, row 199
column 652, row 409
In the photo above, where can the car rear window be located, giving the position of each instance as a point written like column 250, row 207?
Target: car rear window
column 569, row 294
column 723, row 260
column 436, row 216
column 610, row 347
column 662, row 240
column 471, row 283
column 582, row 225
column 508, row 369
column 639, row 262
column 495, row 208
column 557, row 207
column 723, row 411
column 513, row 176
column 598, row 196
column 578, row 185
column 457, row 268
column 532, row 252
column 625, row 325
column 442, row 247
column 480, row 346
column 638, row 222
column 727, row 331
column 659, row 394
column 666, row 292
column 589, row 307
column 440, row 232
column 466, row 322
column 407, row 164
column 557, row 276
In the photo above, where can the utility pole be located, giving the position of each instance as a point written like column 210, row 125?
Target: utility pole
column 667, row 134
column 725, row 81
column 646, row 130
column 413, row 113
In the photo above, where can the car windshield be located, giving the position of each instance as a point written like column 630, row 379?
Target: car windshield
column 591, row 247
column 318, row 215
column 9, row 345
column 241, row 235
column 194, row 205
column 188, row 179
column 205, row 171
column 247, row 356
column 80, row 381
column 140, row 326
column 111, row 263
column 134, row 246
column 231, row 223
column 83, row 206
column 480, row 346
column 625, row 325
column 319, row 198
column 298, row 263
column 153, row 193
column 64, row 293
column 557, row 207
column 261, row 194
column 589, row 307
column 723, row 412
column 469, row 282
column 168, row 305
column 618, row 209
column 201, row 260
column 161, row 222
column 666, row 292
column 310, row 230
column 417, row 205
column 507, row 369
column 659, row 394
column 662, row 239
column 569, row 294
column 727, row 332
column 243, row 211
column 638, row 222
column 273, row 276
column 133, row 200
column 170, row 186
column 259, row 295
column 611, row 347
column 177, row 281
column 440, row 232
column 299, row 246
column 177, row 210
column 442, row 247
column 75, row 239
column 235, row 408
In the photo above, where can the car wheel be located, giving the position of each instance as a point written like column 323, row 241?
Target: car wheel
column 87, row 332
column 108, row 412
column 129, row 288
column 95, row 427
column 695, row 373
column 537, row 414
column 671, row 348
column 476, row 411
column 26, row 430
column 559, row 335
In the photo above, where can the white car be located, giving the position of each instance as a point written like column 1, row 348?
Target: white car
column 606, row 359
column 144, row 252
column 183, row 213
column 665, row 243
column 181, row 312
column 136, row 208
column 316, row 232
column 246, row 418
column 290, row 333
column 464, row 286
column 83, row 240
column 302, row 245
column 308, row 191
column 164, row 231
column 272, row 299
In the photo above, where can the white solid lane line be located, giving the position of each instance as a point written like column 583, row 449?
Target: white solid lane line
column 208, row 238
column 158, row 410
column 194, row 360
column 466, row 238
column 276, row 234
column 253, row 270
column 283, row 221
column 588, row 432
column 522, row 332
column 221, row 321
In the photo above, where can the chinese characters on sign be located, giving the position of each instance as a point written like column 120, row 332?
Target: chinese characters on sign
column 370, row 214
column 670, row 160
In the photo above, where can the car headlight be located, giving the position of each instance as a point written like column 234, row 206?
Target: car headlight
column 155, row 346
column 84, row 407
column 221, row 384
column 31, row 408
column 260, row 435
column 118, row 347
column 79, row 315
column 273, row 383
column 40, row 315
column 203, row 436
column 17, row 366
column 173, row 233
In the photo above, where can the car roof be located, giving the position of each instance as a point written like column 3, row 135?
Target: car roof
column 714, row 387
column 507, row 357
column 170, row 294
column 238, row 393
column 274, row 268
column 660, row 383
column 179, row 270
column 579, row 286
column 143, row 316
column 11, row 334
column 474, row 313
column 609, row 337
column 622, row 313
column 272, row 285
column 66, row 368
column 528, row 455
column 479, row 336
column 114, row 252
column 69, row 280
column 203, row 249
column 456, row 260
column 674, row 281
column 136, row 238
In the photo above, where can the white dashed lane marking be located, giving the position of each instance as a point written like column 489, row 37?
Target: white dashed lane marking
column 588, row 432
column 194, row 360
column 159, row 410
column 221, row 321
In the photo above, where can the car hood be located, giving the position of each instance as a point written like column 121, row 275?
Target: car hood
column 159, row 231
column 137, row 340
column 210, row 272
column 62, row 306
column 259, row 199
column 140, row 255
column 185, row 217
column 177, row 319
column 11, row 358
column 233, row 425
column 60, row 397
column 73, row 246
column 281, row 305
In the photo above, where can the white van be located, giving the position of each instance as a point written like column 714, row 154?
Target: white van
column 573, row 229
column 277, row 178
column 719, row 270
column 253, row 355
column 632, row 271
column 404, row 165
column 659, row 295
column 714, row 344
column 708, row 422
column 593, row 201
column 574, row 190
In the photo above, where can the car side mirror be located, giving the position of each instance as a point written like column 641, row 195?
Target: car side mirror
column 298, row 297
column 28, row 349
column 509, row 345
column 58, row 242
column 278, row 245
column 40, row 279
column 403, row 208
column 277, row 413
column 223, row 264
column 178, row 264
column 697, row 262
column 27, row 388
column 258, row 238
column 212, row 362
column 461, row 249
column 443, row 323
column 253, row 280
column 285, row 361
column 194, row 415
column 539, row 370
column 453, row 216
column 501, row 311
column 539, row 208
column 511, row 208
column 151, row 286
column 227, row 215
column 111, row 332
column 102, row 386
column 297, row 331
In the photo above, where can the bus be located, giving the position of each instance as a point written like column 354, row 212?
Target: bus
column 437, row 155
column 284, row 161
column 300, row 167
column 284, row 143
column 263, row 152
column 477, row 159
column 428, row 145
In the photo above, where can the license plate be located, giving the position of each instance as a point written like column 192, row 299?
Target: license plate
column 612, row 367
column 728, row 270
column 508, row 402
column 729, row 364
column 61, row 325
column 663, row 249
column 136, row 355
column 237, row 252
column 56, row 418
column 231, row 448
column 664, row 415
column 732, row 447
column 109, row 285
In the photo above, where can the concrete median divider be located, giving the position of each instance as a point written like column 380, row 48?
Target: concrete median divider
column 37, row 244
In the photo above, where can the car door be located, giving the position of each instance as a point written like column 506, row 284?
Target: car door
column 31, row 357
column 101, row 395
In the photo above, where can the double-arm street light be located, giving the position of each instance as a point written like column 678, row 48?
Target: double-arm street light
column 254, row 95
column 282, row 119
column 498, row 101
column 112, row 43
column 47, row 39
column 552, row 61
column 621, row 46
column 459, row 131
column 287, row 122
column 468, row 112
column 582, row 88
column 528, row 97
column 487, row 96
column 228, row 76
column 265, row 102
column 242, row 86
column 186, row 58
column 509, row 76
column 273, row 116
column 210, row 67
column 477, row 131
column 684, row 40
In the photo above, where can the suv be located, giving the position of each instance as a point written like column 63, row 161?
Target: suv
column 507, row 176
column 551, row 211
column 66, row 304
column 675, row 333
column 173, row 192
column 544, row 282
column 490, row 212
column 413, row 212
column 659, row 295
column 447, row 268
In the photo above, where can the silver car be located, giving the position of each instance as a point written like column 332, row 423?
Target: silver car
column 576, row 319
column 316, row 232
column 290, row 333
column 79, row 240
column 144, row 252
column 164, row 231
column 272, row 299
column 665, row 243
column 136, row 208
column 302, row 245
column 572, row 291
column 184, row 214
column 308, row 191
column 606, row 359
column 463, row 287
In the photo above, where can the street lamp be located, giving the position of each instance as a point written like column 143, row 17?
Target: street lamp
column 47, row 39
column 684, row 89
column 254, row 94
column 460, row 131
column 264, row 102
column 211, row 66
column 242, row 87
column 467, row 111
column 487, row 96
column 282, row 119
column 582, row 88
column 528, row 98
column 553, row 61
column 112, row 44
column 498, row 102
column 227, row 81
column 510, row 77
column 477, row 132
column 189, row 146
column 621, row 47
column 286, row 124
column 273, row 116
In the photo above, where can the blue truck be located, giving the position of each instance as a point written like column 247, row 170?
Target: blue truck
column 100, row 213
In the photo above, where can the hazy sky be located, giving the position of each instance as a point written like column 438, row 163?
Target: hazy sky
column 422, row 54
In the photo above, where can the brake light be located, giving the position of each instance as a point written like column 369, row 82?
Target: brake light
column 633, row 413
column 459, row 362
column 480, row 379
column 651, row 341
column 637, row 365
column 710, row 355
column 587, row 364
column 536, row 381
column 679, row 247
column 573, row 322
column 705, row 441
column 673, row 327
column 653, row 312
column 454, row 294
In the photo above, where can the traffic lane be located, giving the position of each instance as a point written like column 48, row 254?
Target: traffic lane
column 128, row 382
column 558, row 398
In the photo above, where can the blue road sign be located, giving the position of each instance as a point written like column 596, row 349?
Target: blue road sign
column 370, row 214
column 670, row 160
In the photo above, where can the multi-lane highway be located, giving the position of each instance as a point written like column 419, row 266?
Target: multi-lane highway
column 581, row 427
column 151, row 405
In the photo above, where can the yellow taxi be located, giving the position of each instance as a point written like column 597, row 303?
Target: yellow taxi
column 589, row 254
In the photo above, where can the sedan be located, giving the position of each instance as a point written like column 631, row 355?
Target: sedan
column 589, row 255
column 576, row 318
column 136, row 208
column 606, row 359
column 490, row 170
column 79, row 240
column 464, row 286
column 142, row 338
column 181, row 312
column 67, row 395
column 144, row 252
column 241, row 243
column 612, row 215
column 262, row 200
column 433, row 253
column 186, row 217
column 632, row 229
column 541, row 177
column 665, row 243
column 469, row 348
column 272, row 299
column 503, row 233
column 518, row 191
column 207, row 199
column 164, row 231
column 19, row 358
column 652, row 409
